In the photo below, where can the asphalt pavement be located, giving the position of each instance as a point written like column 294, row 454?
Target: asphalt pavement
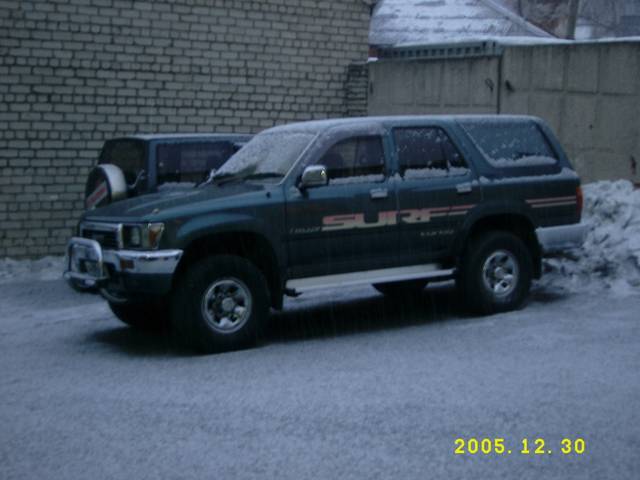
column 346, row 385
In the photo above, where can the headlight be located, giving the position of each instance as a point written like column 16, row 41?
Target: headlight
column 134, row 238
column 145, row 236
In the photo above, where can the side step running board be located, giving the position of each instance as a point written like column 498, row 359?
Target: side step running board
column 413, row 272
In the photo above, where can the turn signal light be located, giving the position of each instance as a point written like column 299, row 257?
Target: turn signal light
column 580, row 199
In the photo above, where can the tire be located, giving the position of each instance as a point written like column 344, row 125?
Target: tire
column 151, row 316
column 407, row 289
column 221, row 304
column 495, row 273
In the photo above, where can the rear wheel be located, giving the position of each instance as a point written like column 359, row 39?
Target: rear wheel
column 406, row 289
column 495, row 273
column 221, row 304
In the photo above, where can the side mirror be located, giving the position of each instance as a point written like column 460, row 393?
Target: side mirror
column 314, row 176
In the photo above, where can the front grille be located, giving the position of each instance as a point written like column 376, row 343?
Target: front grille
column 107, row 239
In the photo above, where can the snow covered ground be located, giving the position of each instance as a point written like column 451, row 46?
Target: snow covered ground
column 610, row 258
column 346, row 384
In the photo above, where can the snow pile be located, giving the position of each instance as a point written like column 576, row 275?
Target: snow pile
column 610, row 257
column 46, row 268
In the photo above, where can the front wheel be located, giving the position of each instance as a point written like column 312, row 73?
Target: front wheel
column 221, row 304
column 495, row 273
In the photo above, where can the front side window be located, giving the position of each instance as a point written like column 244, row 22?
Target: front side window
column 513, row 144
column 190, row 162
column 427, row 152
column 354, row 159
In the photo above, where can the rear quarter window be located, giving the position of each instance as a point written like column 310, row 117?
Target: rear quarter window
column 511, row 145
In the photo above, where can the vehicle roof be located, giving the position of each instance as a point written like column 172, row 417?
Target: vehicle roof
column 186, row 136
column 319, row 126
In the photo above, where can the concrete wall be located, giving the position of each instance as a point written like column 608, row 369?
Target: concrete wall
column 589, row 93
column 76, row 72
column 434, row 86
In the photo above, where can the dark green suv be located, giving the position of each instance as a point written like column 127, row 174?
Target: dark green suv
column 395, row 202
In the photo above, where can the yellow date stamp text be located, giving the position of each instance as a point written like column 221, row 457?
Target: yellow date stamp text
column 526, row 446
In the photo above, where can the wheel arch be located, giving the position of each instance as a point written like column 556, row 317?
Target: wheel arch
column 512, row 222
column 246, row 244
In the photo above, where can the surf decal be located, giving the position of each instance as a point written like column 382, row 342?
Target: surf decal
column 334, row 223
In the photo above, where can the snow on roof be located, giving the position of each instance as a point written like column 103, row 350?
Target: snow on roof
column 422, row 22
column 318, row 126
column 202, row 136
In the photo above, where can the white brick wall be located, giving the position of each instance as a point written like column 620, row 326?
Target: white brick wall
column 75, row 72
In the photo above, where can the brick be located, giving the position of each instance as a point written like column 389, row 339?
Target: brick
column 80, row 72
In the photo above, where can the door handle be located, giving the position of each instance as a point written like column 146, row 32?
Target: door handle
column 379, row 193
column 463, row 188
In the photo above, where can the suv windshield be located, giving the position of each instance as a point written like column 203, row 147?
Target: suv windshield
column 268, row 155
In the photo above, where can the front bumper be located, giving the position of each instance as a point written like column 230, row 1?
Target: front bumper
column 564, row 237
column 127, row 271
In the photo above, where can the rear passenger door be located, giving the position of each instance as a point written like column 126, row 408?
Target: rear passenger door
column 435, row 192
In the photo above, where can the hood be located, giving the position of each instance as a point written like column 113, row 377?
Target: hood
column 171, row 204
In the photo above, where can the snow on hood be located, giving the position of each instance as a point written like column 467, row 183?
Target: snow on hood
column 161, row 205
column 610, row 257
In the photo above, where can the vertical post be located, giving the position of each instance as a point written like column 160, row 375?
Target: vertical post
column 572, row 20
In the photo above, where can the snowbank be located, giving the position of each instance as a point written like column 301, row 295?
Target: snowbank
column 610, row 258
column 46, row 268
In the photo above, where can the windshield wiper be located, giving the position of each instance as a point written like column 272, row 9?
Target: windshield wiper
column 220, row 177
column 228, row 177
column 258, row 176
column 240, row 177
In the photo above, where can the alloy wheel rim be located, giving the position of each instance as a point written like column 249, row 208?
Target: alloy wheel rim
column 226, row 305
column 500, row 273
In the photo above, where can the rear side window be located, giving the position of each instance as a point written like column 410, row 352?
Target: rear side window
column 190, row 162
column 355, row 158
column 427, row 152
column 520, row 144
column 128, row 154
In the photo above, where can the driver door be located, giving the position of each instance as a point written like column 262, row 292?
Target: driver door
column 348, row 225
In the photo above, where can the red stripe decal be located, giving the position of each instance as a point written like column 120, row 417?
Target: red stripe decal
column 552, row 199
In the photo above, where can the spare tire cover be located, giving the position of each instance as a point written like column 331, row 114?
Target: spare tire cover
column 105, row 184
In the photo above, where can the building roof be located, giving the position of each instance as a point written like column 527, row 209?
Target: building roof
column 423, row 22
